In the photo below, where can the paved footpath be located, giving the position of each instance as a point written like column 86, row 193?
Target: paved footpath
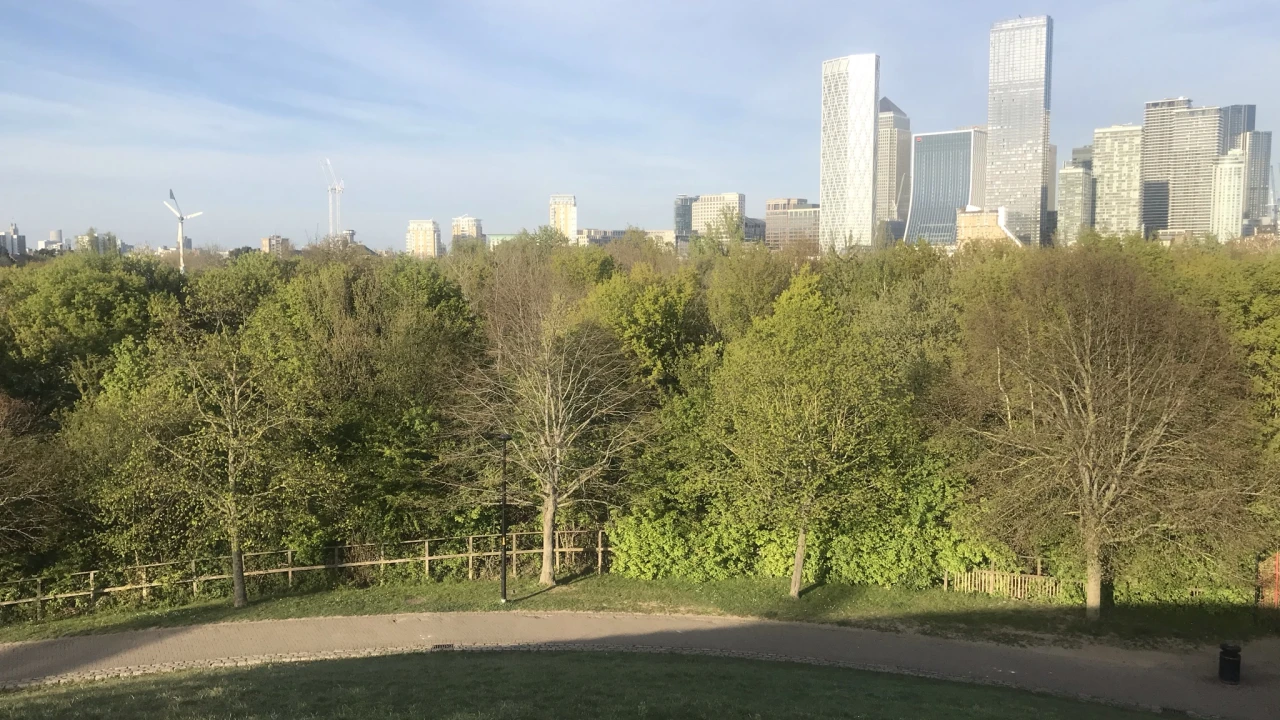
column 1151, row 679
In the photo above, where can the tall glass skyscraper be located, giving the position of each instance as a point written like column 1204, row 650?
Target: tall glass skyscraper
column 1236, row 121
column 847, row 171
column 684, row 217
column 947, row 170
column 1018, row 92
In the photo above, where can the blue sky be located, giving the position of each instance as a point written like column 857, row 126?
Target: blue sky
column 486, row 107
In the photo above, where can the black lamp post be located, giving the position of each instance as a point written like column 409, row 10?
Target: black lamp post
column 502, row 544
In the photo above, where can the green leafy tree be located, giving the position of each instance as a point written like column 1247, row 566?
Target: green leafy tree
column 809, row 414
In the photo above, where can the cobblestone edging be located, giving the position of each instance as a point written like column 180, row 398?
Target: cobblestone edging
column 272, row 659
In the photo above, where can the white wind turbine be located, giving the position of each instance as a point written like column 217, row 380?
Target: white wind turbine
column 176, row 210
column 335, row 200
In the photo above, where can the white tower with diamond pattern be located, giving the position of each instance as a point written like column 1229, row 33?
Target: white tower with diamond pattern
column 847, row 175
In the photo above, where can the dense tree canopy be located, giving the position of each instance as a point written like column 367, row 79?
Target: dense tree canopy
column 877, row 418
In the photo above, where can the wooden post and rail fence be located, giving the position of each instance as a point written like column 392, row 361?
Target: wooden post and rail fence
column 467, row 553
column 87, row 586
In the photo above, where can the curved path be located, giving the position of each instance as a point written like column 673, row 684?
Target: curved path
column 1151, row 679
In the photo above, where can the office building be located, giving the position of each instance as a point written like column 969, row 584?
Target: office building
column 753, row 229
column 849, row 139
column 1256, row 146
column 493, row 240
column 1082, row 156
column 684, row 217
column 1197, row 138
column 1075, row 202
column 1158, row 150
column 1018, row 103
column 790, row 221
column 664, row 238
column 1230, row 179
column 708, row 212
column 55, row 241
column 596, row 236
column 14, row 242
column 276, row 245
column 1236, row 121
column 893, row 163
column 466, row 227
column 979, row 225
column 1117, row 177
column 564, row 215
column 947, row 174
column 423, row 239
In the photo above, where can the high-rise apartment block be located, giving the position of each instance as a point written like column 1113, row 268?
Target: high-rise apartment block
column 1256, row 146
column 948, row 172
column 564, row 215
column 893, row 163
column 1230, row 179
column 1075, row 202
column 1018, row 103
column 466, row 227
column 276, row 245
column 14, row 242
column 423, row 239
column 1236, row 121
column 790, row 221
column 1117, row 177
column 1197, row 140
column 849, row 139
column 1158, row 149
column 684, row 217
column 708, row 211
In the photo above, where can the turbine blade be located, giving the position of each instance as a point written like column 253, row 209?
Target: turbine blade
column 172, row 210
column 194, row 214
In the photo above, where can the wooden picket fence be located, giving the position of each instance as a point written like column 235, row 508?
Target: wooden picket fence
column 469, row 551
column 1018, row 586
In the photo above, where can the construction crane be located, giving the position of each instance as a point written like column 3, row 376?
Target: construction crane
column 335, row 200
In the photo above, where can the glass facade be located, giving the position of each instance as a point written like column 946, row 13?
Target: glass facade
column 1018, row 167
column 847, row 168
column 1236, row 121
column 684, row 216
column 945, row 177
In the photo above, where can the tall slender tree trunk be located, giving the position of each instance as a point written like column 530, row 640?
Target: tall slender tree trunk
column 1093, row 576
column 797, row 571
column 239, row 597
column 548, row 576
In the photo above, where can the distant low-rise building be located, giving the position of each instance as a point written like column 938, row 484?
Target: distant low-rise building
column 708, row 211
column 790, row 221
column 666, row 238
column 493, row 240
column 596, row 236
column 979, row 225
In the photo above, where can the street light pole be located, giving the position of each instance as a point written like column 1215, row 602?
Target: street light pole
column 502, row 545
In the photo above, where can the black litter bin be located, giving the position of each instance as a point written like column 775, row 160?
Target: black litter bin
column 1229, row 664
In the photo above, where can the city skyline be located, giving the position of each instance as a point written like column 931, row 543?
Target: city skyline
column 106, row 111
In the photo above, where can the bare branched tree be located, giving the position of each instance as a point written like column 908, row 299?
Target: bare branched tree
column 28, row 500
column 562, row 387
column 1099, row 400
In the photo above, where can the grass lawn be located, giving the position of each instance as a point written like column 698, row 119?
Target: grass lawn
column 541, row 685
column 929, row 611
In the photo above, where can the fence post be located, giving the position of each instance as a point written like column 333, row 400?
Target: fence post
column 426, row 559
column 93, row 587
column 382, row 563
column 289, row 559
column 146, row 591
column 195, row 580
column 945, row 576
column 471, row 557
column 600, row 553
column 515, row 557
column 39, row 598
column 1037, row 566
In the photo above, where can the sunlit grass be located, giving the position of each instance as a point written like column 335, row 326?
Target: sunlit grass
column 510, row 686
column 930, row 611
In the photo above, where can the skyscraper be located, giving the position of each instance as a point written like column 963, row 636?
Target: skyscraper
column 1157, row 161
column 1197, row 138
column 1019, row 89
column 1256, row 146
column 847, row 167
column 1230, row 177
column 564, row 215
column 423, row 239
column 1236, row 121
column 1117, row 173
column 684, row 217
column 947, row 175
column 1075, row 201
column 893, row 163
